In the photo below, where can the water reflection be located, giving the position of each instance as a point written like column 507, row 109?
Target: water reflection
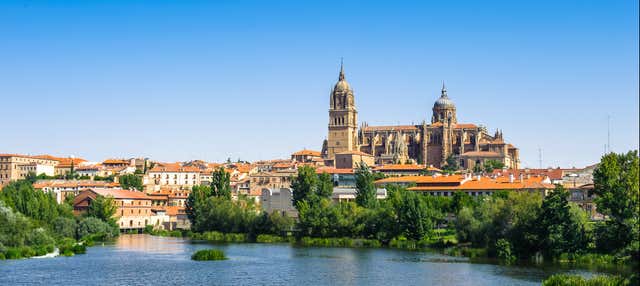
column 148, row 260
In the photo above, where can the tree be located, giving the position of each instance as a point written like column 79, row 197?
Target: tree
column 617, row 196
column 304, row 185
column 413, row 216
column 325, row 186
column 365, row 188
column 195, row 200
column 490, row 165
column 130, row 181
column 561, row 229
column 221, row 184
column 102, row 208
column 451, row 164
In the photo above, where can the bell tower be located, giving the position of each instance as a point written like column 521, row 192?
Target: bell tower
column 343, row 118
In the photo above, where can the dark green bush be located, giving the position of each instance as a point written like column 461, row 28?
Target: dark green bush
column 575, row 280
column 208, row 254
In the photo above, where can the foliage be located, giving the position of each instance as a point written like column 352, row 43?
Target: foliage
column 208, row 254
column 490, row 165
column 92, row 226
column 617, row 196
column 561, row 229
column 503, row 250
column 220, row 184
column 22, row 197
column 130, row 181
column 338, row 242
column 325, row 186
column 64, row 227
column 195, row 200
column 304, row 185
column 221, row 214
column 575, row 280
column 451, row 164
column 102, row 208
column 365, row 188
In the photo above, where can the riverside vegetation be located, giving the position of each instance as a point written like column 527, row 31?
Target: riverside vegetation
column 508, row 226
column 32, row 223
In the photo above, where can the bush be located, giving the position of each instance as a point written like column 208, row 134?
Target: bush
column 575, row 280
column 208, row 254
column 503, row 250
column 215, row 236
column 64, row 227
column 97, row 229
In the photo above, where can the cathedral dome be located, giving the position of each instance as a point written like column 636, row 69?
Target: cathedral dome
column 444, row 101
column 342, row 85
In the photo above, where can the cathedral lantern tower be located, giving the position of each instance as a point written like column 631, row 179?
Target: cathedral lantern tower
column 343, row 118
column 444, row 111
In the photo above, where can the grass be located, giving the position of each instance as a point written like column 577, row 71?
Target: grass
column 208, row 254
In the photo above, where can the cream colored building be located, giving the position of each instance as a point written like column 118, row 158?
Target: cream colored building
column 173, row 175
column 15, row 167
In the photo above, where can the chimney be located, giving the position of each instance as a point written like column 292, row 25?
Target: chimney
column 479, row 177
column 521, row 177
column 511, row 178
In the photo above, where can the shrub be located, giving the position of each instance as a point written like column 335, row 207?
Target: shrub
column 503, row 249
column 208, row 254
column 64, row 227
column 575, row 280
column 91, row 226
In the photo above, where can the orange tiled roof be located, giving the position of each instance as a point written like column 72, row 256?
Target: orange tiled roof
column 305, row 152
column 74, row 184
column 122, row 194
column 115, row 161
column 400, row 167
column 174, row 168
column 422, row 179
column 554, row 174
column 481, row 154
column 487, row 183
column 332, row 170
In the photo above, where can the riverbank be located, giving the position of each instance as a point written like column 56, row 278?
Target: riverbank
column 144, row 260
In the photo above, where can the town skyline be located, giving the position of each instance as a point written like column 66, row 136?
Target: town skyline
column 223, row 88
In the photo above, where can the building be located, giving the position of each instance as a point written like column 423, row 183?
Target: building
column 174, row 175
column 117, row 163
column 133, row 208
column 426, row 143
column 307, row 156
column 270, row 180
column 15, row 167
column 447, row 185
column 278, row 200
column 352, row 159
column 392, row 170
column 61, row 188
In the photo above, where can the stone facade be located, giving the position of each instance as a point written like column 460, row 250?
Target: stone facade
column 426, row 143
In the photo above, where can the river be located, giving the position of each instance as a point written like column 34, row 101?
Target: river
column 148, row 260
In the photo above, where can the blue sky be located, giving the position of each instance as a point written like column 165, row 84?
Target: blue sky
column 181, row 80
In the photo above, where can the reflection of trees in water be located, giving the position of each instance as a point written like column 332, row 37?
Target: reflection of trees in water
column 154, row 244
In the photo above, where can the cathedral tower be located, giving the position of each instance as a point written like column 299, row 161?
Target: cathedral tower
column 444, row 111
column 343, row 118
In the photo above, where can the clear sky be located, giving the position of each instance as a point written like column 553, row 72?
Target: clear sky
column 181, row 80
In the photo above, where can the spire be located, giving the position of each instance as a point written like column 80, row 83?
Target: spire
column 341, row 77
column 444, row 90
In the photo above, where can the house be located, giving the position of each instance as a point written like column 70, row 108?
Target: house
column 61, row 188
column 133, row 208
column 278, row 200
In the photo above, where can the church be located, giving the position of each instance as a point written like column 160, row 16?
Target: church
column 430, row 144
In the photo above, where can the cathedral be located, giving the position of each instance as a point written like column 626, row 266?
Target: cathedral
column 426, row 143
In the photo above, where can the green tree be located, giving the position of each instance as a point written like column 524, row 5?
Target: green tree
column 130, row 181
column 325, row 186
column 304, row 185
column 102, row 208
column 365, row 188
column 560, row 230
column 451, row 164
column 617, row 196
column 221, row 184
column 413, row 216
column 195, row 200
column 490, row 165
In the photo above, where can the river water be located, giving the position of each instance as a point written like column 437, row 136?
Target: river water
column 148, row 260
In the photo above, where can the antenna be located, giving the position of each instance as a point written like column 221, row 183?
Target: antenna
column 540, row 157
